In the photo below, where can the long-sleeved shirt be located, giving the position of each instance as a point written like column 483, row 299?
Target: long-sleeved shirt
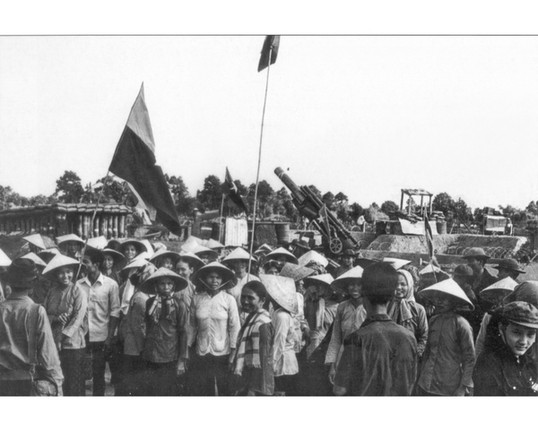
column 166, row 340
column 73, row 302
column 133, row 325
column 498, row 372
column 320, row 315
column 449, row 357
column 412, row 316
column 214, row 323
column 380, row 359
column 347, row 320
column 26, row 340
column 284, row 359
column 103, row 303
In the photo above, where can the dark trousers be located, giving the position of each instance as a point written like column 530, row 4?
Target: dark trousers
column 160, row 379
column 132, row 379
column 97, row 350
column 286, row 385
column 72, row 367
column 209, row 376
column 16, row 388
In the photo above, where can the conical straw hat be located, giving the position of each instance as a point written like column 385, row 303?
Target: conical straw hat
column 227, row 274
column 69, row 238
column 430, row 268
column 165, row 253
column 282, row 291
column 352, row 274
column 31, row 256
column 5, row 261
column 36, row 240
column 201, row 250
column 238, row 254
column 281, row 252
column 397, row 263
column 138, row 244
column 499, row 289
column 116, row 255
column 191, row 243
column 295, row 271
column 449, row 288
column 214, row 244
column 314, row 256
column 99, row 242
column 139, row 261
column 48, row 254
column 195, row 261
column 58, row 262
column 325, row 279
column 148, row 285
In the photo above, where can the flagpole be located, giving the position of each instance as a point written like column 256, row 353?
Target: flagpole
column 259, row 164
column 220, row 217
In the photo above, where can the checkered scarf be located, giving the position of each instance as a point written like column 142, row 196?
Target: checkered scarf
column 248, row 350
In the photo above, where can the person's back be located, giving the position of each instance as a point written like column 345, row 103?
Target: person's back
column 27, row 349
column 381, row 359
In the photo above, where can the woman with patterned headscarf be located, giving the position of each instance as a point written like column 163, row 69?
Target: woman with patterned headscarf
column 405, row 311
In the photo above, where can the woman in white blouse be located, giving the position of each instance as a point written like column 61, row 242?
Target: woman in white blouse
column 284, row 302
column 214, row 320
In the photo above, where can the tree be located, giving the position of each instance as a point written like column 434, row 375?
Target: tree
column 340, row 198
column 461, row 211
column 283, row 205
column 211, row 195
column 69, row 188
column 184, row 202
column 266, row 196
column 389, row 206
column 444, row 203
column 356, row 210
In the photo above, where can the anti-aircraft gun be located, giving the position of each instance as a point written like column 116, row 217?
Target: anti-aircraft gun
column 336, row 237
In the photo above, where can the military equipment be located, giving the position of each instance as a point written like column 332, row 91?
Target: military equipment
column 336, row 237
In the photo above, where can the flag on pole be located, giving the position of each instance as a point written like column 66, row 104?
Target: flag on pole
column 271, row 43
column 134, row 161
column 429, row 236
column 323, row 219
column 231, row 190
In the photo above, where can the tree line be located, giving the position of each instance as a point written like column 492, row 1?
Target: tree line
column 271, row 203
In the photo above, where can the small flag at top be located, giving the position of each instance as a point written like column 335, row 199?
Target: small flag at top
column 231, row 190
column 269, row 51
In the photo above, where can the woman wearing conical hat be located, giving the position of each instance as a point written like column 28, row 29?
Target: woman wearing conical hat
column 350, row 314
column 132, row 333
column 166, row 344
column 214, row 320
column 403, row 310
column 449, row 358
column 112, row 264
column 253, row 360
column 283, row 297
column 66, row 306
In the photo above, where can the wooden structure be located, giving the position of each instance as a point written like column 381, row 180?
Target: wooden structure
column 64, row 218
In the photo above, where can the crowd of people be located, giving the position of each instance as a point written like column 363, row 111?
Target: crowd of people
column 213, row 321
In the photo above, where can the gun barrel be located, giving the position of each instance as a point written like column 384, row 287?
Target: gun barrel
column 292, row 186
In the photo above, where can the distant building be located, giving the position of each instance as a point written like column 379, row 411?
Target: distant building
column 64, row 218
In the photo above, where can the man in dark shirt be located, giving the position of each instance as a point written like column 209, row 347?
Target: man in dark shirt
column 379, row 359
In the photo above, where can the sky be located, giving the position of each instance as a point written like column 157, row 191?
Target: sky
column 364, row 115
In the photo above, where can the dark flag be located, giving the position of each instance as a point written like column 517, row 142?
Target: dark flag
column 323, row 219
column 134, row 161
column 270, row 46
column 231, row 190
column 429, row 236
